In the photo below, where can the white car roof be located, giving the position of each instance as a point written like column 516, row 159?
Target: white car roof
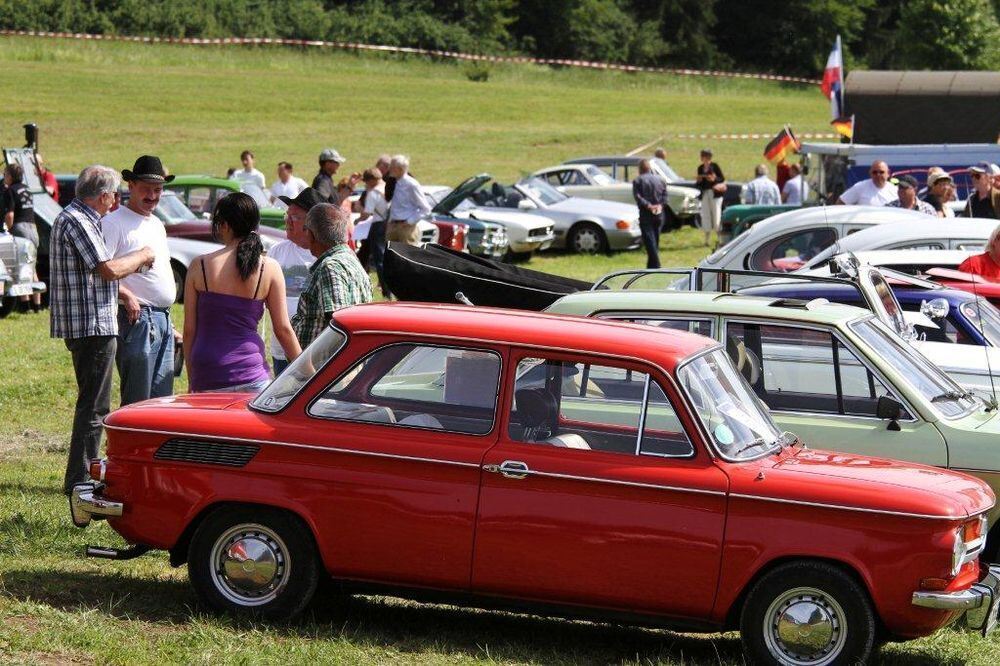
column 925, row 228
column 840, row 214
column 891, row 258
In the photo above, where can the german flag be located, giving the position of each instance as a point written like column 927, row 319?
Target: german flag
column 844, row 126
column 781, row 146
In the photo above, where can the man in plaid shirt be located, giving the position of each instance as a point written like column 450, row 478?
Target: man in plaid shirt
column 336, row 278
column 83, row 294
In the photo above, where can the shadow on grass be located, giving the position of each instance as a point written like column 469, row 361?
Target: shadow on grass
column 408, row 627
column 8, row 487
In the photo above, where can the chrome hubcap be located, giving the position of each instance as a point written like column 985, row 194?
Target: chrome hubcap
column 250, row 565
column 587, row 241
column 805, row 627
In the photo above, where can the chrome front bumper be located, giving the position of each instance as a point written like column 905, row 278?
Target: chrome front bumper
column 980, row 602
column 85, row 504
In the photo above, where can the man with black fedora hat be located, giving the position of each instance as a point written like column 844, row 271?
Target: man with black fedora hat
column 294, row 257
column 145, row 355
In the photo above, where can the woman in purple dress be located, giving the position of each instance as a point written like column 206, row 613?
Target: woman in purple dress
column 224, row 299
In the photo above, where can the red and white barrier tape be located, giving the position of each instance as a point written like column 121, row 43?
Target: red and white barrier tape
column 756, row 136
column 353, row 46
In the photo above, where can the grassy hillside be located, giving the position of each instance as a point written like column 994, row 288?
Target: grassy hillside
column 198, row 107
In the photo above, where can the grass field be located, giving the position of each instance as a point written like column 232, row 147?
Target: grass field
column 198, row 108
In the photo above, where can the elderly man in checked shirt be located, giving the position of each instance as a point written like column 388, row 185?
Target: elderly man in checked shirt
column 336, row 279
column 84, row 299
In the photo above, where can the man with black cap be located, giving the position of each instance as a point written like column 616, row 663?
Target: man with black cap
column 294, row 257
column 329, row 161
column 984, row 199
column 145, row 355
column 906, row 190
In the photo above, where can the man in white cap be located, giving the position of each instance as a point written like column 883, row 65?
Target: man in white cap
column 938, row 185
column 984, row 199
column 329, row 161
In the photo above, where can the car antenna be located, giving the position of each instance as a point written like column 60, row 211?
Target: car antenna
column 992, row 405
column 460, row 297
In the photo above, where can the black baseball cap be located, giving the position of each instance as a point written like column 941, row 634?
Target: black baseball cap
column 906, row 181
column 305, row 199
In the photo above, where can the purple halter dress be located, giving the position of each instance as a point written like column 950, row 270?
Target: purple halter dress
column 227, row 350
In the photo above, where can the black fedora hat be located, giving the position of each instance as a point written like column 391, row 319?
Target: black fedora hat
column 305, row 199
column 149, row 168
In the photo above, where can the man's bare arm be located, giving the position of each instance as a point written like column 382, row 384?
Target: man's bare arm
column 119, row 267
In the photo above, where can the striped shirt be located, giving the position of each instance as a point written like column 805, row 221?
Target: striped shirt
column 336, row 280
column 83, row 303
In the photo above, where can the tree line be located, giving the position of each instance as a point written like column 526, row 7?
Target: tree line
column 743, row 35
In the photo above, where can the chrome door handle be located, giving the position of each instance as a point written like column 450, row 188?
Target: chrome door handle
column 512, row 469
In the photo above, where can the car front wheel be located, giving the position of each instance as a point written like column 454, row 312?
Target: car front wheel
column 807, row 614
column 587, row 238
column 254, row 562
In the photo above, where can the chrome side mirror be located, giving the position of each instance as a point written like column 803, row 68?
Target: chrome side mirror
column 936, row 308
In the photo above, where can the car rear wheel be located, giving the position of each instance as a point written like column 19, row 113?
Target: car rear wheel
column 254, row 562
column 807, row 614
column 586, row 238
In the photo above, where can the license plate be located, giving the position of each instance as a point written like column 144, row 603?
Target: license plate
column 19, row 290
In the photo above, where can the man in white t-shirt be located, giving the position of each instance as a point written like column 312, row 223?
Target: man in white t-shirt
column 288, row 184
column 796, row 188
column 874, row 191
column 294, row 257
column 145, row 355
column 248, row 174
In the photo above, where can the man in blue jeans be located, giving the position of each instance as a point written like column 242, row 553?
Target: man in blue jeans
column 650, row 193
column 145, row 355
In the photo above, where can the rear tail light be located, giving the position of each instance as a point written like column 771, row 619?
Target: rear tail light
column 98, row 469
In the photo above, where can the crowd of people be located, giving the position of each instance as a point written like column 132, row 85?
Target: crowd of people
column 112, row 286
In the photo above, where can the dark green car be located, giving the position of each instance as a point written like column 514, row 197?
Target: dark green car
column 738, row 218
column 201, row 193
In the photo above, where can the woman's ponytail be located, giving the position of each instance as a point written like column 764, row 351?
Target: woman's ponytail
column 248, row 253
column 240, row 212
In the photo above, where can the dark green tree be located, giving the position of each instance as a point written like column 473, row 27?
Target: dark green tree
column 948, row 34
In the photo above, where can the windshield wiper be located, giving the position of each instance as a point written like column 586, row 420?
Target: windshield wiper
column 760, row 441
column 951, row 395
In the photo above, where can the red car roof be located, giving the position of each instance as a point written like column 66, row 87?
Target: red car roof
column 663, row 347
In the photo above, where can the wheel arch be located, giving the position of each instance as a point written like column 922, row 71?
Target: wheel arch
column 732, row 615
column 590, row 222
column 179, row 551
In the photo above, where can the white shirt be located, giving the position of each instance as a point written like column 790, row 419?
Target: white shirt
column 408, row 201
column 252, row 176
column 796, row 189
column 864, row 193
column 290, row 189
column 295, row 262
column 762, row 190
column 126, row 231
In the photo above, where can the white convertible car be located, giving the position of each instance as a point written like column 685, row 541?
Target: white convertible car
column 590, row 182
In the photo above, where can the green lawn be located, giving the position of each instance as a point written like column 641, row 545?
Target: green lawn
column 198, row 108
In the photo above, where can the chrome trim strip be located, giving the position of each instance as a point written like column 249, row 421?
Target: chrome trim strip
column 841, row 507
column 964, row 600
column 613, row 482
column 314, row 447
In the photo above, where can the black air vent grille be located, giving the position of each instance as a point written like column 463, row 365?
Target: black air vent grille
column 207, row 453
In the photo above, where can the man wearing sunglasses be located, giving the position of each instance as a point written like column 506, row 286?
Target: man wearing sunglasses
column 874, row 191
column 984, row 200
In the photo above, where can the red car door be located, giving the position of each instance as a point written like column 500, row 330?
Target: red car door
column 575, row 509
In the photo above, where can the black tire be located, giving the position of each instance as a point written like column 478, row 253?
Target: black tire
column 179, row 275
column 516, row 257
column 586, row 238
column 286, row 570
column 842, row 627
column 7, row 306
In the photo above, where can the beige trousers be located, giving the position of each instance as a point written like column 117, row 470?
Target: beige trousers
column 402, row 232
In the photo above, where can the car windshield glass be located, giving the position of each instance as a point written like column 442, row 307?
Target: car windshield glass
column 985, row 317
column 46, row 207
column 599, row 177
column 736, row 420
column 261, row 199
column 171, row 210
column 925, row 378
column 665, row 169
column 539, row 190
column 312, row 359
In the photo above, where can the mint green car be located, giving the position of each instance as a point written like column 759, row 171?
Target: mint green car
column 833, row 374
column 201, row 193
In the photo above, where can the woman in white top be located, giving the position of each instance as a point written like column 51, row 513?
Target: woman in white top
column 375, row 214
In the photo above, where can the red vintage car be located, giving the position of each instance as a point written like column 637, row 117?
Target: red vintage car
column 567, row 465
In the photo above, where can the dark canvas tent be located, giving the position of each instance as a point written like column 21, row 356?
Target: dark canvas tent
column 924, row 107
